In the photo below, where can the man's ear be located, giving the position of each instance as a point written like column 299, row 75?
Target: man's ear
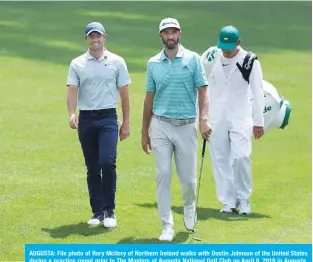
column 105, row 36
column 85, row 37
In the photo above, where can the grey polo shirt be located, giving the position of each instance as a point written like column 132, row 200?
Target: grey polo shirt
column 98, row 81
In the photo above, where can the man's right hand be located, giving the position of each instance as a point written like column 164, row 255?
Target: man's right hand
column 146, row 143
column 73, row 121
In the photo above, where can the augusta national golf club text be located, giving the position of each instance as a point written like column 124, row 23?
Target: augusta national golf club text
column 160, row 256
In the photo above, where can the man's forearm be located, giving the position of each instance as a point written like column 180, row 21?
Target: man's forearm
column 256, row 85
column 203, row 100
column 258, row 103
column 125, row 103
column 71, row 99
column 258, row 107
column 147, row 112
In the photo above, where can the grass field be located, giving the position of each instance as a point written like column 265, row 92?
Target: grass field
column 43, row 192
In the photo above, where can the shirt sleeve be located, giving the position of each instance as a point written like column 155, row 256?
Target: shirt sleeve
column 199, row 75
column 72, row 77
column 256, row 85
column 150, row 83
column 123, row 78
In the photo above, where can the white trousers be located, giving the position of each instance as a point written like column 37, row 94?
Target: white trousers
column 166, row 140
column 230, row 154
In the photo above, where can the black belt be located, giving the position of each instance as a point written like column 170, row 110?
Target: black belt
column 98, row 112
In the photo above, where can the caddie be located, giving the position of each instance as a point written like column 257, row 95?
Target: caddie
column 242, row 106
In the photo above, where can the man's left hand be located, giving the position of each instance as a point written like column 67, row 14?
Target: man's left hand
column 124, row 131
column 205, row 129
column 258, row 132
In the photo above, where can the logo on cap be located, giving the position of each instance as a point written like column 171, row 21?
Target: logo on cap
column 169, row 23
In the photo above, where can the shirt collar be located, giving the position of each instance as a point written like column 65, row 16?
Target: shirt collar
column 105, row 55
column 180, row 52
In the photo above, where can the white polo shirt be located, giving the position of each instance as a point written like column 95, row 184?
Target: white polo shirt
column 98, row 81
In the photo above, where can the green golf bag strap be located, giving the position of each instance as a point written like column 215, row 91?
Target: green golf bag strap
column 247, row 65
column 287, row 112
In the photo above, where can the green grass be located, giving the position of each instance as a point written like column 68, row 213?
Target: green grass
column 44, row 196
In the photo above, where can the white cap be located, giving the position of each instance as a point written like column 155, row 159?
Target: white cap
column 168, row 23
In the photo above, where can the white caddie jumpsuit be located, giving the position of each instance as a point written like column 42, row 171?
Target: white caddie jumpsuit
column 232, row 117
column 276, row 111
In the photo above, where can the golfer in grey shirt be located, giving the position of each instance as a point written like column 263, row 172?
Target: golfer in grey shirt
column 94, row 81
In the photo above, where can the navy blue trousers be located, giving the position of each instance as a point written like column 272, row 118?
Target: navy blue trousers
column 98, row 134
